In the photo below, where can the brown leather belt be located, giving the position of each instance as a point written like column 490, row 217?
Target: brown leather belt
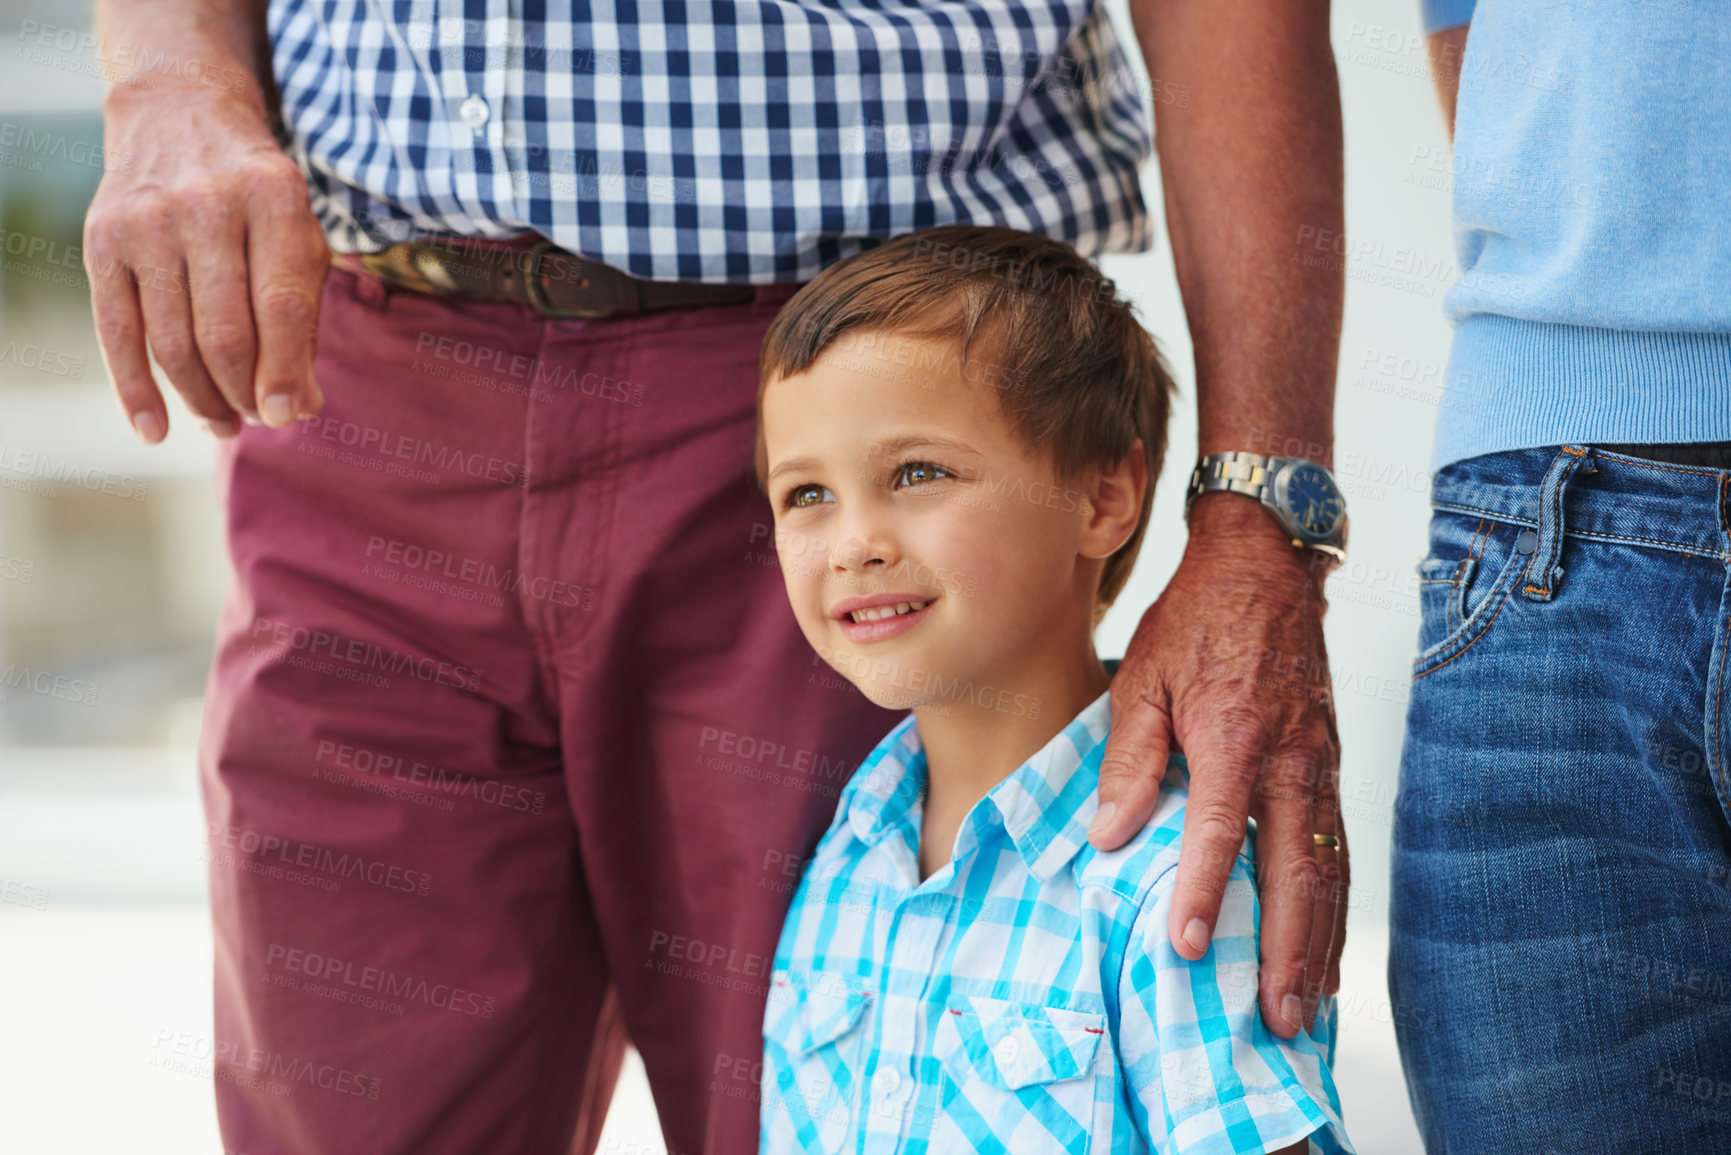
column 535, row 272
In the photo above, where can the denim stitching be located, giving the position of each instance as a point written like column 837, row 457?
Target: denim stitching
column 1645, row 464
column 1496, row 515
column 1719, row 684
column 1719, row 701
column 1686, row 550
column 1509, row 584
column 1680, row 547
column 1457, row 616
column 1556, row 549
column 1556, row 493
column 1631, row 539
column 1458, row 601
column 1507, row 598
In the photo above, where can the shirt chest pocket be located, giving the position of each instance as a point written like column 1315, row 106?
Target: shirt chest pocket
column 1016, row 1077
column 814, row 1030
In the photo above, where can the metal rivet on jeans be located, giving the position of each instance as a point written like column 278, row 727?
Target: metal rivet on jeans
column 1527, row 542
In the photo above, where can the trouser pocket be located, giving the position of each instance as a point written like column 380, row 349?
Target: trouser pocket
column 1472, row 569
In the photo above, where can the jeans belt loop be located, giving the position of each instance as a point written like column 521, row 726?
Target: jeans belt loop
column 1546, row 573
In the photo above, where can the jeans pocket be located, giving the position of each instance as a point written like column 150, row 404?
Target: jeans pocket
column 1473, row 567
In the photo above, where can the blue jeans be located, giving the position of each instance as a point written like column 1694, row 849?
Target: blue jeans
column 1560, row 960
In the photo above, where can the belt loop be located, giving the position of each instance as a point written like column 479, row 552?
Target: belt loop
column 1546, row 574
column 1725, row 505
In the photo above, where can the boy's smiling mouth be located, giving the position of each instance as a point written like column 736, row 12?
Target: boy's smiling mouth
column 870, row 618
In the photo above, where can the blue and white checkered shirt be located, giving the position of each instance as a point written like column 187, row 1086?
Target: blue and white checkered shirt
column 1025, row 998
column 746, row 141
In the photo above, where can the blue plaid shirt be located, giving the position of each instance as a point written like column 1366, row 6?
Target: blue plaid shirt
column 1025, row 998
column 712, row 140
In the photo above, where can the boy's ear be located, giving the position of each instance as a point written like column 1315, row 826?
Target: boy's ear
column 1116, row 503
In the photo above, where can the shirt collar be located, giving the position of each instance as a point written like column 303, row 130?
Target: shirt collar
column 1045, row 804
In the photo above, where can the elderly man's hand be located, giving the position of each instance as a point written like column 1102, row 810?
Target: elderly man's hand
column 1230, row 664
column 201, row 239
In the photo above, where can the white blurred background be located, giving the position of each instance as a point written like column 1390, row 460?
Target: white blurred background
column 112, row 571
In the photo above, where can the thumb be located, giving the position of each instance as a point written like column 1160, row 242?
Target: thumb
column 1131, row 770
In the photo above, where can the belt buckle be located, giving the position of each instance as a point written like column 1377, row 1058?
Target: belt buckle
column 533, row 289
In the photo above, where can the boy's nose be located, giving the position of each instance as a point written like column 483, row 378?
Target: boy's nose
column 858, row 550
column 853, row 554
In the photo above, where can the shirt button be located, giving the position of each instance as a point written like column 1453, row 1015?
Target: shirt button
column 473, row 111
column 889, row 1081
column 1006, row 1050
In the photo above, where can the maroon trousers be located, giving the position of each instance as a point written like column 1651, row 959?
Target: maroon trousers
column 512, row 747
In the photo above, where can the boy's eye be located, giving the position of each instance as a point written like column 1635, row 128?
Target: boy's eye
column 912, row 472
column 918, row 471
column 792, row 501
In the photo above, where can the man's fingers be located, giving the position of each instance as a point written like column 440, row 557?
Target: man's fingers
column 1131, row 770
column 1286, row 881
column 1328, row 920
column 1215, row 813
column 213, row 236
column 1337, row 944
column 166, row 305
column 287, row 260
column 120, row 335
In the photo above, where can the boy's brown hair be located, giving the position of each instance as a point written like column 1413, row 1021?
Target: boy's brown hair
column 1075, row 370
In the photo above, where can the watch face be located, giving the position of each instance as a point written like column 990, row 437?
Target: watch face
column 1313, row 501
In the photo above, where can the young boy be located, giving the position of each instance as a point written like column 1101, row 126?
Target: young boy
column 958, row 432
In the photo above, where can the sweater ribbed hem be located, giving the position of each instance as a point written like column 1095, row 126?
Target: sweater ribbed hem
column 1436, row 15
column 1514, row 384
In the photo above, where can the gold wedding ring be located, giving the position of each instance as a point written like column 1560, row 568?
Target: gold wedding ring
column 1326, row 840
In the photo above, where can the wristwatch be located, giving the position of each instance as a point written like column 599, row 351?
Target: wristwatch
column 1300, row 494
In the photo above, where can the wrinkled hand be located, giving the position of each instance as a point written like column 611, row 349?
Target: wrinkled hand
column 1230, row 664
column 201, row 239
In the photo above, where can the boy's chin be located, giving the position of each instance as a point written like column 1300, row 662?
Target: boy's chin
column 897, row 698
column 887, row 696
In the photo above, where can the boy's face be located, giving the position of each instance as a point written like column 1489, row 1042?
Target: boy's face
column 895, row 478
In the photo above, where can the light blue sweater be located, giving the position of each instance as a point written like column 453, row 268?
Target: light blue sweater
column 1592, row 216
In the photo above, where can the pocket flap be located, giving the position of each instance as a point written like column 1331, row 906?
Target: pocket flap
column 1012, row 1045
column 811, row 1008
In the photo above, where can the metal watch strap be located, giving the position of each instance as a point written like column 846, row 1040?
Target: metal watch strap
column 1252, row 474
column 1236, row 472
